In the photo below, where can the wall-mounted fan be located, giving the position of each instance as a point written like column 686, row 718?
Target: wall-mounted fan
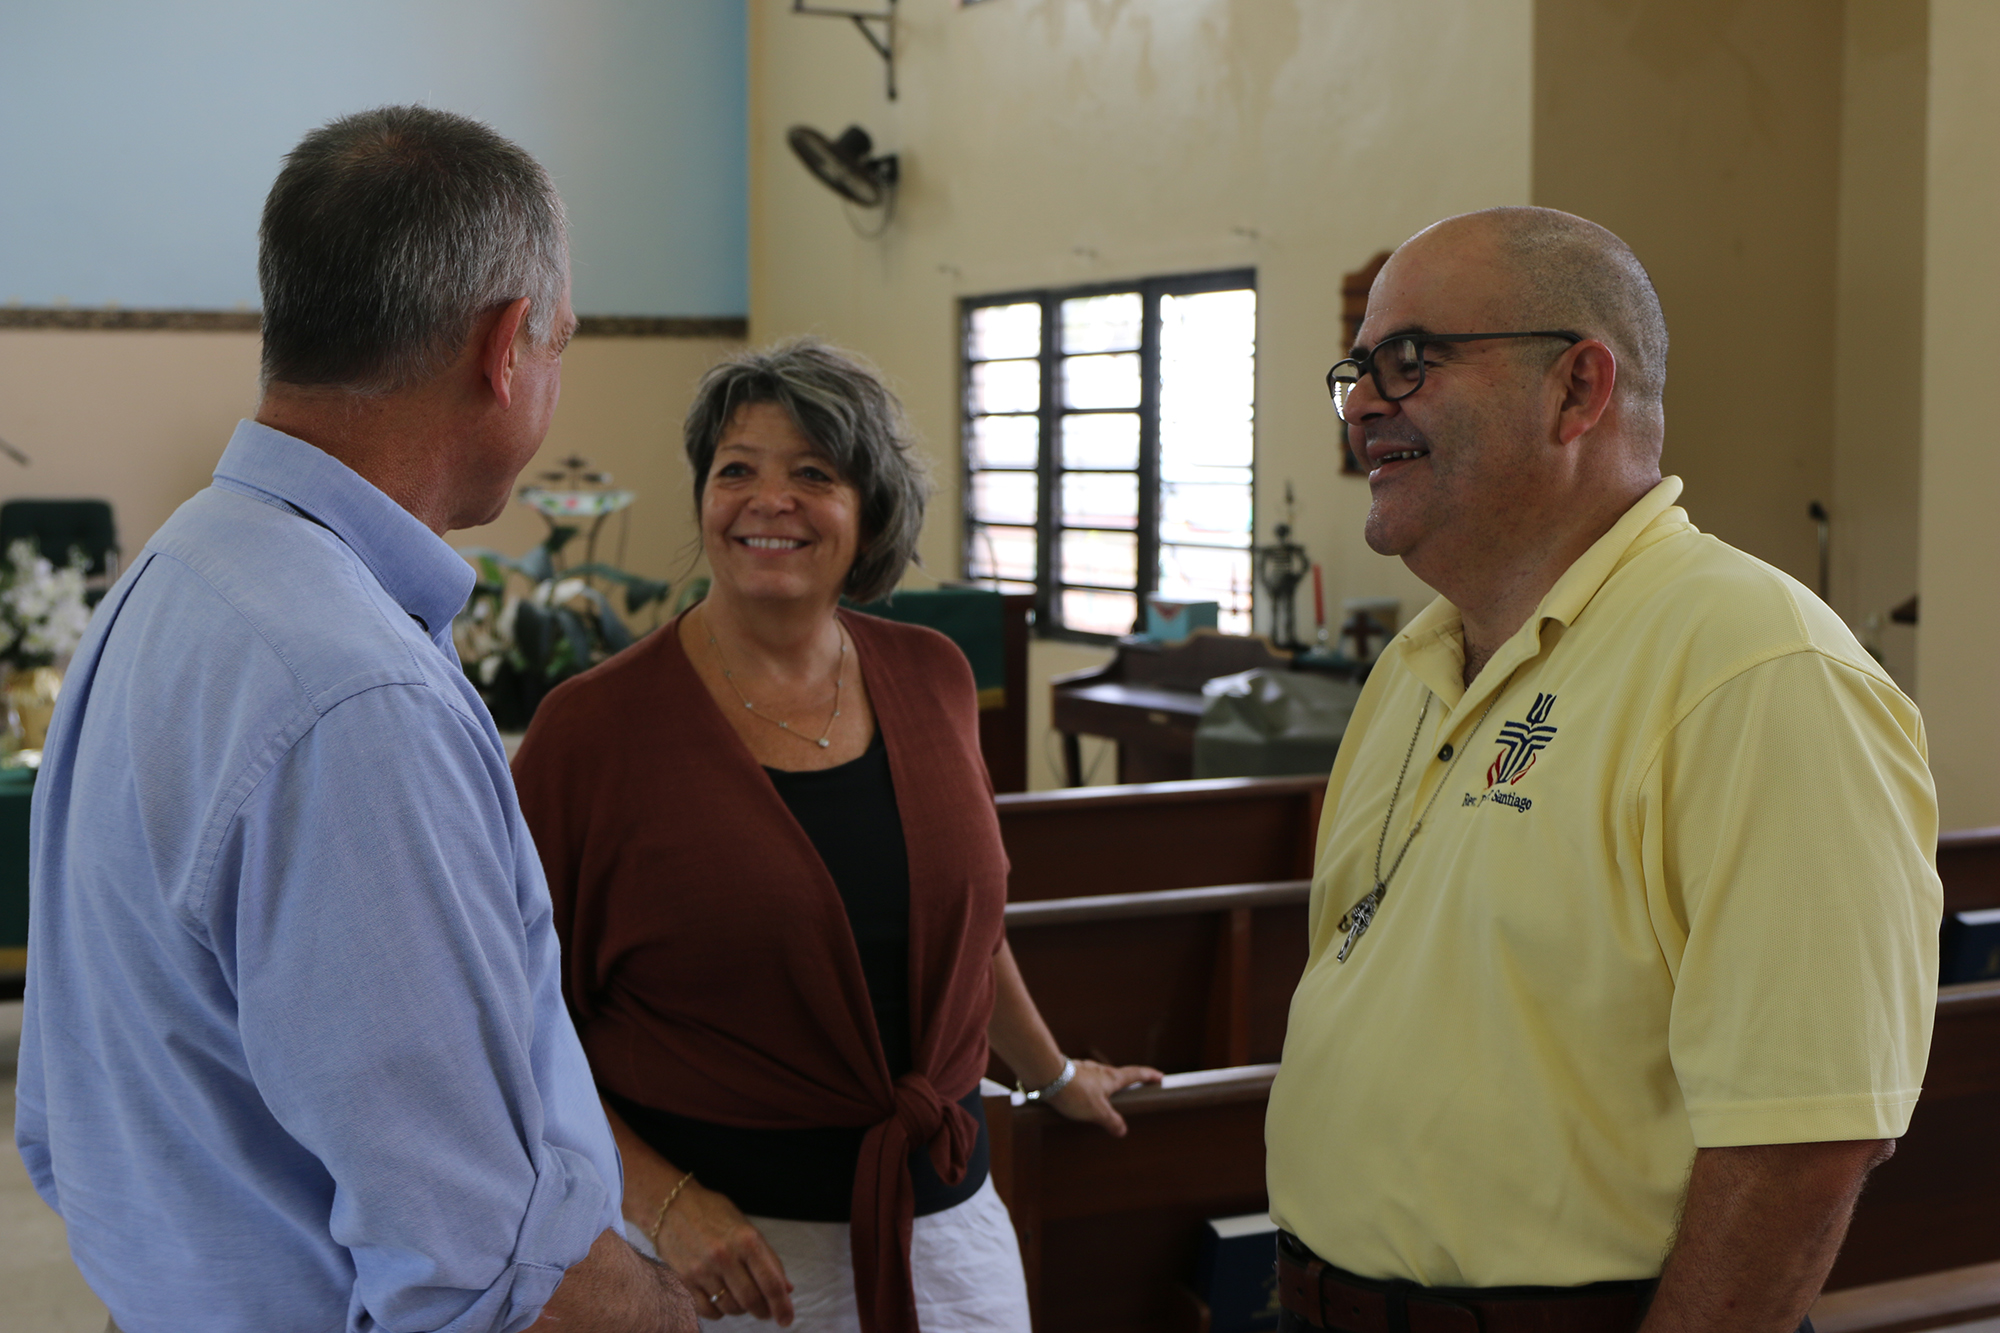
column 844, row 166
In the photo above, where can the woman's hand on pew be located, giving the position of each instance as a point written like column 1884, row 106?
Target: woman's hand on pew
column 1088, row 1096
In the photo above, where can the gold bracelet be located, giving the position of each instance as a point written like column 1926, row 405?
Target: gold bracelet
column 653, row 1236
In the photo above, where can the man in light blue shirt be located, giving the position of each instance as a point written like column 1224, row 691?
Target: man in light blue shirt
column 295, row 1054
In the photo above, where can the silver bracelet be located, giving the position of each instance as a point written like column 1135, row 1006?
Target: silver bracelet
column 1061, row 1082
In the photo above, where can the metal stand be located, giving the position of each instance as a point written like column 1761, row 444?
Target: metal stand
column 884, row 44
column 1280, row 568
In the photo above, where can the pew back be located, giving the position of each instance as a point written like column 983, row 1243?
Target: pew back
column 1968, row 861
column 1180, row 979
column 1159, row 835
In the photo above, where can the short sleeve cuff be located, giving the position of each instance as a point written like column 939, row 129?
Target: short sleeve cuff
column 1803, row 1119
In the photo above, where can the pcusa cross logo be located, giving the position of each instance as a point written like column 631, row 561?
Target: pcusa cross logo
column 1520, row 742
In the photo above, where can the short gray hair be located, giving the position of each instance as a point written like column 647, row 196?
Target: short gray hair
column 386, row 237
column 1576, row 275
column 843, row 407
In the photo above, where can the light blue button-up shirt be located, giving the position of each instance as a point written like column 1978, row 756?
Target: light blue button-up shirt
column 295, row 1054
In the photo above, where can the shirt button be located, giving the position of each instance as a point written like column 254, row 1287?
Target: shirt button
column 1444, row 754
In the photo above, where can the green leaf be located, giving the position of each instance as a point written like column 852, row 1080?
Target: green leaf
column 575, row 639
column 537, row 565
column 533, row 633
column 639, row 592
column 616, row 637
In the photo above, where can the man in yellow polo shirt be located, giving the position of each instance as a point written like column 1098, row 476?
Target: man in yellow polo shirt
column 1624, row 922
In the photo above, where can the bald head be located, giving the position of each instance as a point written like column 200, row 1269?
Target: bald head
column 1569, row 273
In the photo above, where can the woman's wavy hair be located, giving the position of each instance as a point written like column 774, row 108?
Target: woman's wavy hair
column 843, row 407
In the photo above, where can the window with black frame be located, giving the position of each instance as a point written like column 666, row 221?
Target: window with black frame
column 1109, row 446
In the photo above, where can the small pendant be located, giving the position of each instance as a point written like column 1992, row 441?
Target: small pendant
column 823, row 742
column 1357, row 921
column 785, row 725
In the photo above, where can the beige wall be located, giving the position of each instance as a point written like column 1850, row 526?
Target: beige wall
column 134, row 418
column 1880, row 323
column 1958, row 639
column 1047, row 143
column 622, row 404
column 140, row 418
column 1706, row 133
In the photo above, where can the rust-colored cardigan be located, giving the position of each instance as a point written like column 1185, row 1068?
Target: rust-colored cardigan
column 708, row 961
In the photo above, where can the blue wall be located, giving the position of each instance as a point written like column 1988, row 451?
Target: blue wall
column 138, row 137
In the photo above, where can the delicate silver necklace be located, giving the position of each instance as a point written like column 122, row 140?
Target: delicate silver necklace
column 839, row 671
column 1362, row 914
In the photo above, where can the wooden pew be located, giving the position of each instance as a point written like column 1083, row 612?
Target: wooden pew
column 1968, row 862
column 1109, row 1227
column 1204, row 976
column 1932, row 1205
column 1159, row 835
column 1183, row 979
column 1180, row 979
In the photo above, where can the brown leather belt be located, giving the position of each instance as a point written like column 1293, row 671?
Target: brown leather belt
column 1330, row 1298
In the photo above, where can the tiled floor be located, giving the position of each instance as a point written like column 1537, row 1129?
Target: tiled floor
column 40, row 1290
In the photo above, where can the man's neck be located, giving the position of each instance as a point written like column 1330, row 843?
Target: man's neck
column 1495, row 593
column 391, row 442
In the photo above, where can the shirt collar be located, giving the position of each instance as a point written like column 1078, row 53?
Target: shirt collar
column 427, row 578
column 1432, row 645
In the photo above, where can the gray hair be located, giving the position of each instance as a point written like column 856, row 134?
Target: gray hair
column 844, row 408
column 386, row 237
column 1576, row 275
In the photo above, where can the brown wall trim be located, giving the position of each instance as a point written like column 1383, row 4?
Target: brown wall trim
column 183, row 321
column 663, row 326
column 248, row 321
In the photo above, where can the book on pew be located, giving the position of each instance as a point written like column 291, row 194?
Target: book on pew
column 1237, row 1274
column 1971, row 947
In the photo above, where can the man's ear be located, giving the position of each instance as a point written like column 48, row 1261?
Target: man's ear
column 500, row 351
column 1587, row 374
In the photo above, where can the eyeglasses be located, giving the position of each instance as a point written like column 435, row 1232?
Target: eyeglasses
column 1403, row 373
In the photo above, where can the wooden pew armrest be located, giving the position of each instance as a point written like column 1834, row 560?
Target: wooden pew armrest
column 1178, row 1092
column 1159, row 902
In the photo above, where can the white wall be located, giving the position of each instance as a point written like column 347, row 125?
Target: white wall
column 1048, row 143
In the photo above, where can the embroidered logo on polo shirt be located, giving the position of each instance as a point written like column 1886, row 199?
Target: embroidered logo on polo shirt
column 1520, row 742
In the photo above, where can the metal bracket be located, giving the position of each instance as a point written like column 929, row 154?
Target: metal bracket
column 884, row 44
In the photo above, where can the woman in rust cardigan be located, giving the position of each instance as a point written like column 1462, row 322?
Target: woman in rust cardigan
column 778, row 881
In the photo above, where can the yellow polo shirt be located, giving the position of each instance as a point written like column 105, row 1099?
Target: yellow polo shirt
column 1678, row 892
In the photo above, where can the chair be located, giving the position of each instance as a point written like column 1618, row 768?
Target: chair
column 58, row 527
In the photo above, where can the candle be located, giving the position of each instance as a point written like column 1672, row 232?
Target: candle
column 1319, row 602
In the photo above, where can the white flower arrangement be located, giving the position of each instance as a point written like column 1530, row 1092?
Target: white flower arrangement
column 42, row 611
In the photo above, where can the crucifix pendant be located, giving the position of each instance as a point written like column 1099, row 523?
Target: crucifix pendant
column 1358, row 919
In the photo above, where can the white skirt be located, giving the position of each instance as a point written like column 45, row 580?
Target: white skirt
column 965, row 1262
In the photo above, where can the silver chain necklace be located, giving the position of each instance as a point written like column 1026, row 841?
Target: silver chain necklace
column 1360, row 916
column 839, row 671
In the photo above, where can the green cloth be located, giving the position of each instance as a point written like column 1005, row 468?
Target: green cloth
column 15, row 786
column 1266, row 723
column 970, row 618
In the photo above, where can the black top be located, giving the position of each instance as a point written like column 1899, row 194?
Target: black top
column 849, row 813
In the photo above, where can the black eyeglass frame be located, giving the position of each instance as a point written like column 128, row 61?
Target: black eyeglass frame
column 1366, row 361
